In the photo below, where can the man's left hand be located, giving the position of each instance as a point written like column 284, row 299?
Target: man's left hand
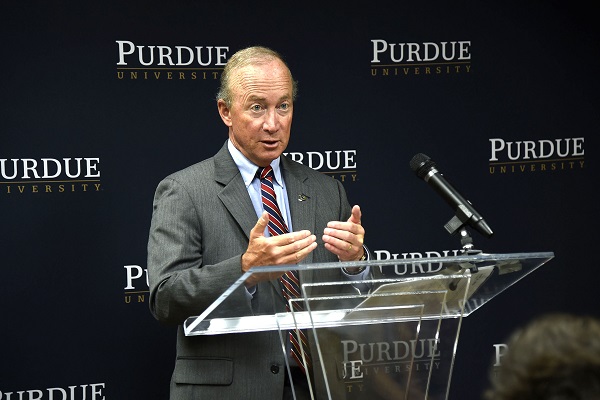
column 345, row 239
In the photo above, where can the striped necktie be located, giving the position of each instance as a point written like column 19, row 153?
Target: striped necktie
column 289, row 281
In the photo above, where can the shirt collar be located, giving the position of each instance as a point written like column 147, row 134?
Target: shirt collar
column 248, row 168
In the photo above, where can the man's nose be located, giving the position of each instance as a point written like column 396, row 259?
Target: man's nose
column 271, row 121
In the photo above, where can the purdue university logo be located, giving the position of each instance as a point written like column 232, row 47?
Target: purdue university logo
column 49, row 175
column 154, row 62
column 531, row 156
column 419, row 59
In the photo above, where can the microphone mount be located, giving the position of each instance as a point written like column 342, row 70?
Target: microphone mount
column 467, row 242
column 465, row 215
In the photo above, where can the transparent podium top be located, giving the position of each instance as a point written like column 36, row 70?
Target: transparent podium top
column 388, row 291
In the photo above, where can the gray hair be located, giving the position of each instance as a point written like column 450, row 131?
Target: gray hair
column 242, row 58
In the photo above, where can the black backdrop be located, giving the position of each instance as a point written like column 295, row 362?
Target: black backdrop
column 73, row 240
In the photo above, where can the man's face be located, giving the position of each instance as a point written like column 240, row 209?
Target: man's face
column 260, row 117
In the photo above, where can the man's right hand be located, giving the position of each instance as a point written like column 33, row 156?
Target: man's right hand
column 290, row 248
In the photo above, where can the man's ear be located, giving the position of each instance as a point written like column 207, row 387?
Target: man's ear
column 224, row 112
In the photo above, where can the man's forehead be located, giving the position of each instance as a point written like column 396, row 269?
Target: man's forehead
column 258, row 87
column 274, row 71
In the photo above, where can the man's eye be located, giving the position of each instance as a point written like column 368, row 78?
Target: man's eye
column 256, row 107
column 284, row 106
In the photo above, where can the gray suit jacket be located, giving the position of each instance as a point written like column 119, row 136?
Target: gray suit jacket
column 200, row 227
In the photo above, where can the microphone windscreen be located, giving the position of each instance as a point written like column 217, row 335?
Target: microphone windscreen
column 421, row 164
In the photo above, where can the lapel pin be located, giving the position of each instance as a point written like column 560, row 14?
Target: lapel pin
column 303, row 197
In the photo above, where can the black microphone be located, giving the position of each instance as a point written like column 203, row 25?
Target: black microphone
column 426, row 169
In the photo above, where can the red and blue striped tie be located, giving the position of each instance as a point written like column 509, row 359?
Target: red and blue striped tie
column 289, row 281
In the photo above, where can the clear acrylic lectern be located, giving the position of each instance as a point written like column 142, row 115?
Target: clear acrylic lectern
column 391, row 336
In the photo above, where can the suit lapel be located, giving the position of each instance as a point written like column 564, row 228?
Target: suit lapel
column 302, row 198
column 302, row 201
column 234, row 194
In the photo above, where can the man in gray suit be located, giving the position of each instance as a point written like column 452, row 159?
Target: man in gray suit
column 208, row 228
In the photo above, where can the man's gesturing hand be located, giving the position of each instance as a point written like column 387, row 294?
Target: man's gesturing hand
column 290, row 248
column 345, row 239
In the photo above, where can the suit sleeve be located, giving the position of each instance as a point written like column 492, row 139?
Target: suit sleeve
column 181, row 283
